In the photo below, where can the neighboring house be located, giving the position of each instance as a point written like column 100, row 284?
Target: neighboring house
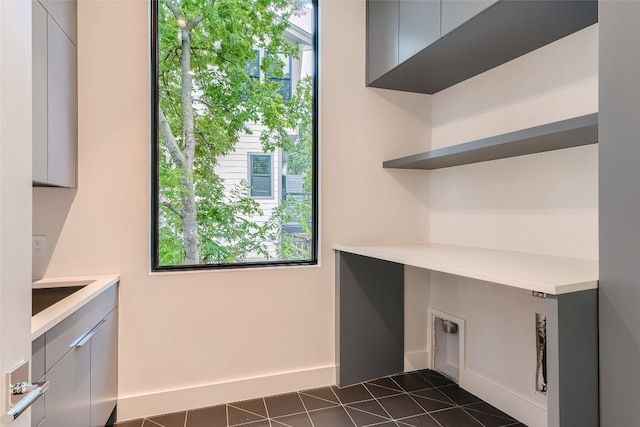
column 266, row 173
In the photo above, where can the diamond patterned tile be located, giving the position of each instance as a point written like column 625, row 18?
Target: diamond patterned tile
column 378, row 391
column 458, row 395
column 331, row 417
column 354, row 393
column 285, row 404
column 417, row 399
column 214, row 416
column 297, row 420
column 370, row 406
column 455, row 417
column 325, row 393
column 401, row 406
column 412, row 382
column 313, row 403
column 176, row 419
column 424, row 420
column 361, row 418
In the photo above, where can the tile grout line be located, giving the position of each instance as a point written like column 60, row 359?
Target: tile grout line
column 305, row 409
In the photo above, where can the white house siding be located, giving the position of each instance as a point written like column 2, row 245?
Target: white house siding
column 234, row 168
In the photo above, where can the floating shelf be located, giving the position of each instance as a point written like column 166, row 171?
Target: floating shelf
column 568, row 133
column 542, row 273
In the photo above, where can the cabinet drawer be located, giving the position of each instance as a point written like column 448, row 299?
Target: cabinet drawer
column 37, row 358
column 60, row 337
column 38, row 407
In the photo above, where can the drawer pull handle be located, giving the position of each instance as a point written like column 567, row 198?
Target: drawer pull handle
column 85, row 339
column 24, row 403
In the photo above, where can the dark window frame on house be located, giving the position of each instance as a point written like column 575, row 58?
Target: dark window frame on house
column 156, row 203
column 252, row 176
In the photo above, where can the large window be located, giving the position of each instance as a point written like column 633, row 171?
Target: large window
column 234, row 133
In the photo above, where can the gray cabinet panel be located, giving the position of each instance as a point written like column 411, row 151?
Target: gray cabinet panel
column 456, row 12
column 419, row 26
column 62, row 104
column 37, row 358
column 68, row 398
column 382, row 37
column 60, row 337
column 39, row 95
column 619, row 212
column 38, row 407
column 104, row 370
column 65, row 13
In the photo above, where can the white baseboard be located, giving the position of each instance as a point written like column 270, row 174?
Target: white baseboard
column 416, row 360
column 163, row 402
column 519, row 407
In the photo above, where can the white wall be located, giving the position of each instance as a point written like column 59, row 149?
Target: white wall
column 195, row 339
column 543, row 203
column 15, row 193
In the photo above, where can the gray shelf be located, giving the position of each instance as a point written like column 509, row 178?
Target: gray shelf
column 504, row 31
column 568, row 133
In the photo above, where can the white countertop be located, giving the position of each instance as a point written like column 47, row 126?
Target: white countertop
column 51, row 316
column 542, row 273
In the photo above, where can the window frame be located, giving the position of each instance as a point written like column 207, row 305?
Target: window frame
column 251, row 174
column 154, row 158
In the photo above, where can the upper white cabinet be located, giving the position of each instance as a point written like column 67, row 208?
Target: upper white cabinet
column 55, row 100
column 427, row 46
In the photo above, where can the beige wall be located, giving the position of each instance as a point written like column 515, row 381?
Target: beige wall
column 193, row 339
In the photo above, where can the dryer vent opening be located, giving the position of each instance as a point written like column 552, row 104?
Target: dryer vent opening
column 446, row 347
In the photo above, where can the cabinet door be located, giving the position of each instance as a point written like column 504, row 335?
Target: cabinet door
column 65, row 13
column 382, row 37
column 419, row 26
column 39, row 95
column 68, row 397
column 104, row 370
column 62, row 107
column 456, row 12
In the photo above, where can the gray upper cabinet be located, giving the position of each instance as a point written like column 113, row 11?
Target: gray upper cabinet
column 55, row 100
column 427, row 46
column 382, row 37
column 65, row 13
column 457, row 12
column 397, row 30
column 419, row 26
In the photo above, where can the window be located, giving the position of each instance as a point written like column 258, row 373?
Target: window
column 260, row 175
column 234, row 148
column 280, row 73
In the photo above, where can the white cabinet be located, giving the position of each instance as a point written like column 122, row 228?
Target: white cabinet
column 55, row 101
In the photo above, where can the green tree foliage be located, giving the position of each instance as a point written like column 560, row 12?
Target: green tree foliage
column 207, row 98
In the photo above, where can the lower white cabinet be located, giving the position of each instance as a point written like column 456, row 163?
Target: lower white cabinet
column 81, row 367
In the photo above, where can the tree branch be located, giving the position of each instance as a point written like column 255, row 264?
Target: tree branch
column 173, row 209
column 170, row 141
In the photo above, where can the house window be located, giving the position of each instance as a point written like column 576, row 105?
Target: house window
column 232, row 124
column 260, row 177
column 280, row 73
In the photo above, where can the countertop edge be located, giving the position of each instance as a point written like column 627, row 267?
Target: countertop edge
column 50, row 317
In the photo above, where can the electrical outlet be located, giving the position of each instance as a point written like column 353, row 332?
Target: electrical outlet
column 39, row 246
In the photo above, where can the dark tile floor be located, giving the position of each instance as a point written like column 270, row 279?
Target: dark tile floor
column 419, row 399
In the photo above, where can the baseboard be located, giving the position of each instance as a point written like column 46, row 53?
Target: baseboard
column 519, row 407
column 135, row 407
column 416, row 360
